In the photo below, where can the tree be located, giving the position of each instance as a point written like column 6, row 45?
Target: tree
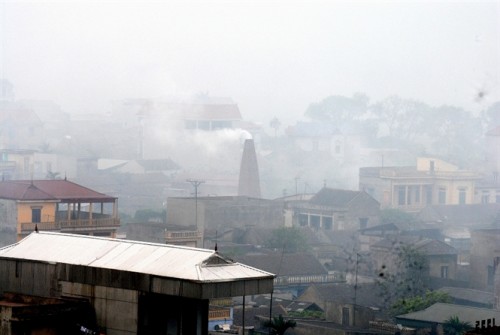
column 453, row 326
column 339, row 109
column 410, row 279
column 418, row 303
column 403, row 119
column 289, row 239
column 278, row 325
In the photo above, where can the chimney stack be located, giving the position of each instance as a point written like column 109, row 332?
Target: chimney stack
column 249, row 183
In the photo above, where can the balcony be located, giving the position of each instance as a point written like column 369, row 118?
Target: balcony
column 182, row 235
column 308, row 279
column 218, row 313
column 72, row 226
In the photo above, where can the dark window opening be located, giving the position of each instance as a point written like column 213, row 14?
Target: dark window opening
column 36, row 215
column 315, row 221
column 442, row 196
column 327, row 222
column 303, row 220
column 444, row 271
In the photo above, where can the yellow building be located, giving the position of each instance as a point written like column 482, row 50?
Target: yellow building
column 56, row 205
column 430, row 182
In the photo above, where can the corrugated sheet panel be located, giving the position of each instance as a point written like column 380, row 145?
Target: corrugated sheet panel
column 154, row 259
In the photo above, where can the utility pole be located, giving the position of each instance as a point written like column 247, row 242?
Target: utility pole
column 196, row 184
column 355, row 291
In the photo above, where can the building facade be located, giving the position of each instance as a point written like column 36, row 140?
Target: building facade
column 430, row 182
column 56, row 205
column 334, row 209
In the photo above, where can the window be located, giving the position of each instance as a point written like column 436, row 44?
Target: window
column 428, row 195
column 363, row 223
column 221, row 124
column 401, row 195
column 315, row 221
column 485, row 197
column 417, row 194
column 36, row 215
column 204, row 125
column 327, row 222
column 190, row 124
column 491, row 274
column 303, row 220
column 462, row 196
column 442, row 196
column 444, row 271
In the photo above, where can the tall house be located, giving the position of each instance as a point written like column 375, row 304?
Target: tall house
column 430, row 182
column 249, row 182
column 56, row 205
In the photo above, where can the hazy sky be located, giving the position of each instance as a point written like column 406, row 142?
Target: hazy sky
column 271, row 57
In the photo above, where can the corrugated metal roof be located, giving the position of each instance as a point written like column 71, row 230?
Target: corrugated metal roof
column 440, row 312
column 162, row 260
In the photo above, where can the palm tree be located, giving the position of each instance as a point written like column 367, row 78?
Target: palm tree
column 278, row 325
column 453, row 326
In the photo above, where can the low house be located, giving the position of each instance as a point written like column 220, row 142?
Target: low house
column 133, row 287
column 335, row 209
column 484, row 259
column 347, row 305
column 438, row 313
column 294, row 272
column 56, row 205
column 469, row 297
column 441, row 257
column 472, row 216
column 293, row 308
column 139, row 166
column 223, row 213
column 372, row 235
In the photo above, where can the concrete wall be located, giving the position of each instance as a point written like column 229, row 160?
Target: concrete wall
column 485, row 247
column 116, row 309
column 30, row 278
column 8, row 222
column 48, row 212
column 436, row 262
column 225, row 212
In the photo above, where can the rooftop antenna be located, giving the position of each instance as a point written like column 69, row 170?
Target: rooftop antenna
column 216, row 242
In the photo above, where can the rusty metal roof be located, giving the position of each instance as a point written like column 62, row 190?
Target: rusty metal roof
column 178, row 262
column 49, row 190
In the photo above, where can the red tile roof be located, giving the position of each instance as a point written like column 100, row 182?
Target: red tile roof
column 49, row 190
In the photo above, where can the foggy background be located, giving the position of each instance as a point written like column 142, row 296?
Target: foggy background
column 273, row 58
column 378, row 83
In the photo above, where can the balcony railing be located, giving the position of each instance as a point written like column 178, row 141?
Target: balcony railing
column 308, row 279
column 71, row 225
column 182, row 235
column 214, row 314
